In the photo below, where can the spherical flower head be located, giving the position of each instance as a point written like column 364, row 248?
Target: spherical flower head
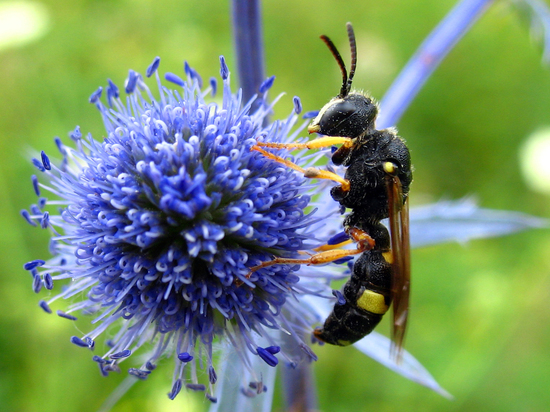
column 158, row 225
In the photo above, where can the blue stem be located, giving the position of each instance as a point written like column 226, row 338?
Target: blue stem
column 299, row 388
column 430, row 53
column 247, row 35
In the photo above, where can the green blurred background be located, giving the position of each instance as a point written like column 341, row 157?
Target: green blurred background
column 480, row 311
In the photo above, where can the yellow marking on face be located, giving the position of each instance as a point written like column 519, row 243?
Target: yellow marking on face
column 344, row 342
column 388, row 257
column 313, row 128
column 390, row 168
column 372, row 302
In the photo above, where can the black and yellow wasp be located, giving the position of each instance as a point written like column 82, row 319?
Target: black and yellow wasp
column 375, row 187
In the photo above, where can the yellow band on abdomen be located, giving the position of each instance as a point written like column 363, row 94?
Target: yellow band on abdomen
column 372, row 302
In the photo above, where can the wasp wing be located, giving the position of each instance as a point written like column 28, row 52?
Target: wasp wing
column 401, row 263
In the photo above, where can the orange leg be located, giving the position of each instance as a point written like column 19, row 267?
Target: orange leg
column 327, row 254
column 318, row 143
column 310, row 172
column 322, row 248
column 364, row 240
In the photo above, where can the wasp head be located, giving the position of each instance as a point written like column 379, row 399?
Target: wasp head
column 348, row 116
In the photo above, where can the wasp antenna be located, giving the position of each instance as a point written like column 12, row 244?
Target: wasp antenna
column 353, row 48
column 345, row 88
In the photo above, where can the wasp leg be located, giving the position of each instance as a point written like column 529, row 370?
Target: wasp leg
column 319, row 258
column 363, row 239
column 318, row 143
column 310, row 172
column 328, row 253
column 322, row 248
column 337, row 157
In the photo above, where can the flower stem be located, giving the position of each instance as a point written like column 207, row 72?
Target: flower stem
column 299, row 388
column 247, row 35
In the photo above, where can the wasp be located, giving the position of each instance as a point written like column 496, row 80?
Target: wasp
column 375, row 187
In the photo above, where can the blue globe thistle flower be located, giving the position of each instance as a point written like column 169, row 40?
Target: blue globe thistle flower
column 158, row 225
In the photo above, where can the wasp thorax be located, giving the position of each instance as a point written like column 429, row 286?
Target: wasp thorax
column 349, row 116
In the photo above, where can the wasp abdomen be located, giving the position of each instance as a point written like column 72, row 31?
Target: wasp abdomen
column 367, row 298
